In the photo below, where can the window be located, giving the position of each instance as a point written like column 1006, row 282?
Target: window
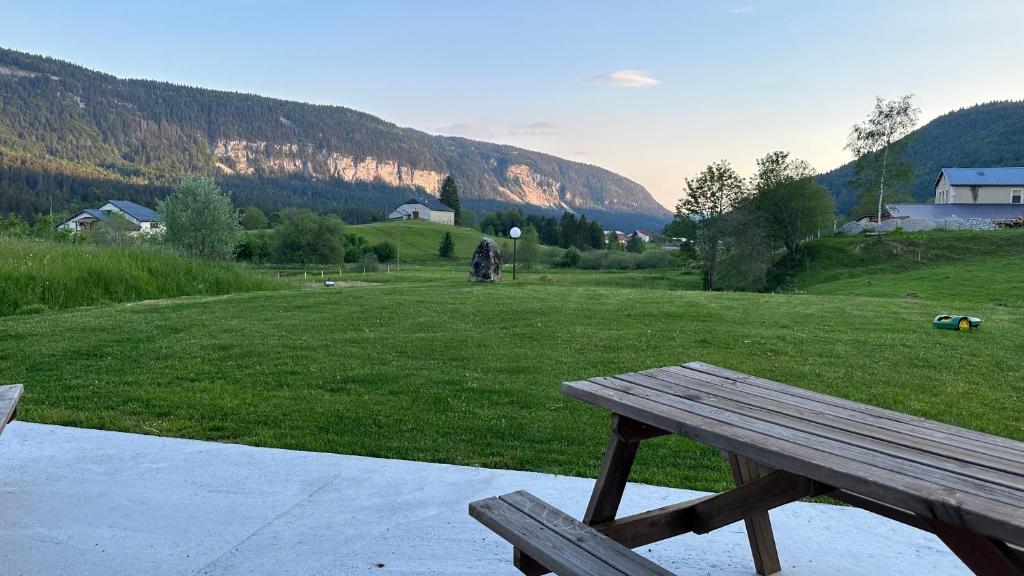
column 1015, row 195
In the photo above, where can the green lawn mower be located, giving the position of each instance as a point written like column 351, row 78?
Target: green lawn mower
column 956, row 322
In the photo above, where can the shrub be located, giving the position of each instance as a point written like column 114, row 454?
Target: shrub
column 569, row 259
column 385, row 251
column 200, row 221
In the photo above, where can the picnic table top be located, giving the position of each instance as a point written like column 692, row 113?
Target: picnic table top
column 934, row 470
column 9, row 396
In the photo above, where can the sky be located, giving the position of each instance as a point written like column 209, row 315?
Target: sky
column 653, row 90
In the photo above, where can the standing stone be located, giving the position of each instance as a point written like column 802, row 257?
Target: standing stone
column 486, row 265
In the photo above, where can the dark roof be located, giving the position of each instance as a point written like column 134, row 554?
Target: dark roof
column 983, row 176
column 137, row 211
column 102, row 215
column 961, row 211
column 429, row 202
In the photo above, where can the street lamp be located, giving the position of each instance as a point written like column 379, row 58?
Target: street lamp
column 514, row 233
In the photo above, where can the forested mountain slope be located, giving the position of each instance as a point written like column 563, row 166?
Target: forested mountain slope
column 72, row 136
column 987, row 135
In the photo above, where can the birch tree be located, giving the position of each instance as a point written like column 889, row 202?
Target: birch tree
column 710, row 197
column 889, row 122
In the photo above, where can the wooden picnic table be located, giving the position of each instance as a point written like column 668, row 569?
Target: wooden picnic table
column 9, row 396
column 783, row 443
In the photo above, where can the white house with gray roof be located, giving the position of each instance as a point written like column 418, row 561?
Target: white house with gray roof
column 429, row 209
column 980, row 186
column 141, row 219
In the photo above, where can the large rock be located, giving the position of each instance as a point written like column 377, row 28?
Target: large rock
column 486, row 265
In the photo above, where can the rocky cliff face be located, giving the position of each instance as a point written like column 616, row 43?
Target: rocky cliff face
column 253, row 158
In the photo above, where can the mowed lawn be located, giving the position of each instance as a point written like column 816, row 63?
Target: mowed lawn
column 437, row 369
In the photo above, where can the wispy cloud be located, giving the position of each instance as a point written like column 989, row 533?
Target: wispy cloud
column 742, row 10
column 535, row 129
column 626, row 78
column 466, row 130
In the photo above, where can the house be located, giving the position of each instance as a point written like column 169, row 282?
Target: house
column 430, row 209
column 142, row 220
column 622, row 237
column 644, row 235
column 980, row 186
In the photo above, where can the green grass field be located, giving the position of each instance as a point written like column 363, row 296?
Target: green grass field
column 36, row 276
column 419, row 241
column 421, row 364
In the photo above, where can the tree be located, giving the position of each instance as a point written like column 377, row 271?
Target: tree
column 567, row 225
column 447, row 247
column 873, row 141
column 385, row 251
column 469, row 219
column 450, row 197
column 710, row 196
column 597, row 241
column 303, row 237
column 613, row 243
column 528, row 246
column 788, row 202
column 254, row 219
column 635, row 244
column 199, row 220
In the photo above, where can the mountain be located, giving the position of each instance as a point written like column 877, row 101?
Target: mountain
column 73, row 137
column 986, row 135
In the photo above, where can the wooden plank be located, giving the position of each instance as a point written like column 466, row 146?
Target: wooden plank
column 881, row 509
column 982, row 555
column 540, row 542
column 759, row 526
column 824, row 425
column 597, row 544
column 708, row 513
column 873, row 481
column 913, row 436
column 611, row 480
column 941, row 480
column 1004, row 446
column 9, row 396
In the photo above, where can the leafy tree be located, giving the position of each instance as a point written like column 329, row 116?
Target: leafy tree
column 199, row 220
column 14, row 226
column 450, row 197
column 635, row 244
column 385, row 251
column 873, row 142
column 469, row 219
column 447, row 247
column 255, row 247
column 569, row 259
column 613, row 243
column 303, row 237
column 710, row 196
column 254, row 219
column 789, row 204
column 528, row 246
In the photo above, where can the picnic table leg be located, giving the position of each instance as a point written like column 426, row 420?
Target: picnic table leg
column 982, row 555
column 625, row 438
column 759, row 526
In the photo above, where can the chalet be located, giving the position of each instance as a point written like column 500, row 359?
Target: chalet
column 141, row 219
column 644, row 235
column 430, row 209
column 979, row 186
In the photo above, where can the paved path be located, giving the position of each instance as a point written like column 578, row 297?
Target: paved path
column 75, row 501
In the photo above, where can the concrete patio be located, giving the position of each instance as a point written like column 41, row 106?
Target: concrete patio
column 75, row 501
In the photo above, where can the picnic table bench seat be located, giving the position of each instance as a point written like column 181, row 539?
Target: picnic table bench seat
column 552, row 538
column 785, row 443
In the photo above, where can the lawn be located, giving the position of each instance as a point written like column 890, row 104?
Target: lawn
column 419, row 240
column 423, row 365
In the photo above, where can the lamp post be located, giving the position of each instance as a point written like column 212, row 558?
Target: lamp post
column 514, row 233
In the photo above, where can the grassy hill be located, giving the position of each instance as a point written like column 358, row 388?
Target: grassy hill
column 419, row 241
column 987, row 135
column 971, row 267
column 36, row 276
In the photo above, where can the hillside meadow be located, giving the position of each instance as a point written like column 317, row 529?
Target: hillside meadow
column 422, row 365
column 36, row 276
